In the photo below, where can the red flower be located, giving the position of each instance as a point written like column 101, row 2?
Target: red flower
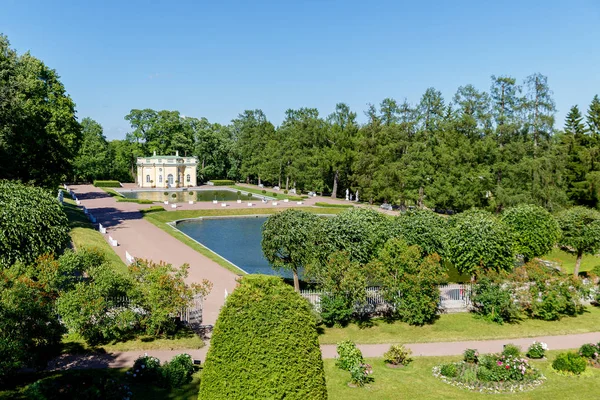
column 508, row 366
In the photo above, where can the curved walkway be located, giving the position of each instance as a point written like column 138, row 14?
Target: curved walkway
column 126, row 359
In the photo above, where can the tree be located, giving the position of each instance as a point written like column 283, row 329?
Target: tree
column 39, row 133
column 593, row 116
column 161, row 290
column 580, row 228
column 32, row 223
column 30, row 332
column 342, row 132
column 264, row 346
column 408, row 281
column 288, row 241
column 360, row 232
column 539, row 107
column 477, row 242
column 424, row 229
column 93, row 160
column 534, row 229
column 343, row 286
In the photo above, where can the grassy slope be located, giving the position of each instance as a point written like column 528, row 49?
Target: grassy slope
column 416, row 382
column 568, row 260
column 460, row 326
column 83, row 234
column 160, row 218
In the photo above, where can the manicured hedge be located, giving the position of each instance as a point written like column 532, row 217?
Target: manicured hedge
column 107, row 184
column 32, row 223
column 332, row 205
column 152, row 209
column 222, row 182
column 264, row 346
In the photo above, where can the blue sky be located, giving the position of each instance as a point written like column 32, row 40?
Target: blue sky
column 215, row 59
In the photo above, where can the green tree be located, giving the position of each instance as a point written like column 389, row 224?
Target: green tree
column 424, row 229
column 580, row 228
column 408, row 281
column 539, row 107
column 264, row 346
column 593, row 116
column 32, row 223
column 534, row 229
column 93, row 160
column 360, row 232
column 342, row 132
column 343, row 286
column 288, row 241
column 477, row 242
column 161, row 290
column 30, row 332
column 39, row 133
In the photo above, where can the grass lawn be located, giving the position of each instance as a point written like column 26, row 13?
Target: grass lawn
column 83, row 234
column 568, row 261
column 270, row 193
column 460, row 326
column 412, row 382
column 185, row 338
column 160, row 219
column 416, row 382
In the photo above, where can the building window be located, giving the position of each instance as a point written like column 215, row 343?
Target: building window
column 147, row 178
column 160, row 179
column 160, row 170
column 170, row 179
column 188, row 178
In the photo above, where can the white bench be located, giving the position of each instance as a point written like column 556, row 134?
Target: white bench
column 299, row 202
column 101, row 228
column 112, row 242
column 215, row 201
column 250, row 204
column 173, row 205
column 274, row 203
column 166, row 202
column 286, row 200
column 191, row 202
column 130, row 259
column 224, row 204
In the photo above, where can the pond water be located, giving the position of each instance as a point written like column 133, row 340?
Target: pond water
column 186, row 195
column 235, row 239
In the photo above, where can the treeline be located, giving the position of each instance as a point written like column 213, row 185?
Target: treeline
column 481, row 149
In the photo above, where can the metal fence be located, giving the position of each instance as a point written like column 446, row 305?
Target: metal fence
column 454, row 297
column 190, row 315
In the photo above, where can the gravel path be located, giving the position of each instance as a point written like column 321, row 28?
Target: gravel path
column 126, row 359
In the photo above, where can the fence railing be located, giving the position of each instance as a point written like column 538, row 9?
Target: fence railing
column 190, row 315
column 454, row 297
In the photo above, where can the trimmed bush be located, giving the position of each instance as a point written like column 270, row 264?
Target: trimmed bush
column 152, row 209
column 590, row 351
column 449, row 370
column 569, row 362
column 511, row 350
column 178, row 371
column 471, row 356
column 166, row 193
column 349, row 356
column 332, row 205
column 107, row 184
column 264, row 346
column 76, row 385
column 537, row 350
column 146, row 369
column 493, row 301
column 398, row 355
column 174, row 195
column 32, row 223
column 221, row 182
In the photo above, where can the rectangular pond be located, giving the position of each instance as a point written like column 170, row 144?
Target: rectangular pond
column 186, row 195
column 237, row 239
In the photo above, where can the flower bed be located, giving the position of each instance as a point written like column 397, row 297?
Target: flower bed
column 492, row 373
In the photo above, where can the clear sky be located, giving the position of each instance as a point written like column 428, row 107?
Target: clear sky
column 216, row 58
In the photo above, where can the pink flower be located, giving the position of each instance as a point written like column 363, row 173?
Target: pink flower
column 499, row 362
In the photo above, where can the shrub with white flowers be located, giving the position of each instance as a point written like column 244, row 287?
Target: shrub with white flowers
column 146, row 369
column 537, row 350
